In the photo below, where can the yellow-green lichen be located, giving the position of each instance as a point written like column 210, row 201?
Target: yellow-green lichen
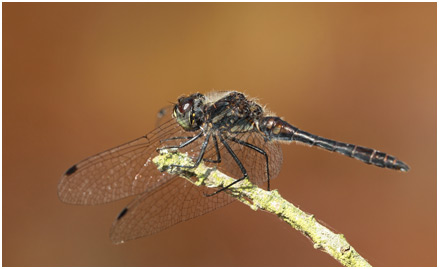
column 271, row 201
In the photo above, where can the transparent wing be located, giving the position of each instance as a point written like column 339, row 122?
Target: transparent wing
column 176, row 201
column 117, row 173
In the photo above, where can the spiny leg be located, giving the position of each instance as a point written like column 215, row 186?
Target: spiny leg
column 259, row 150
column 175, row 138
column 218, row 155
column 241, row 166
column 182, row 145
column 200, row 156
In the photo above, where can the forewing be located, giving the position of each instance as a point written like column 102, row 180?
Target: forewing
column 120, row 172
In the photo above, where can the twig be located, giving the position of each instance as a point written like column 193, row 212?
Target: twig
column 324, row 239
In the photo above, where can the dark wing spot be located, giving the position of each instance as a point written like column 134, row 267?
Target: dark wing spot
column 71, row 170
column 122, row 213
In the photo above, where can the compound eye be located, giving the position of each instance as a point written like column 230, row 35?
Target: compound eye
column 185, row 105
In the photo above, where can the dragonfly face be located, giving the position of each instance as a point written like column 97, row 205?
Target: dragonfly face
column 188, row 112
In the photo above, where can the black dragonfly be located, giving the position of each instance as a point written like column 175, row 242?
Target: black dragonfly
column 223, row 129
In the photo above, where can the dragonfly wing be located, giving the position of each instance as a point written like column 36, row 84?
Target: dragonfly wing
column 155, row 210
column 120, row 172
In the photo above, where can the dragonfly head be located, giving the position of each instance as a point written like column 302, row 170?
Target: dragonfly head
column 189, row 111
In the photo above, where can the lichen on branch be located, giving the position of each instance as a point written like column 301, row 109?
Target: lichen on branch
column 256, row 198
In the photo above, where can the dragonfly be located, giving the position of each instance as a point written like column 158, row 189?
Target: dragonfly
column 226, row 130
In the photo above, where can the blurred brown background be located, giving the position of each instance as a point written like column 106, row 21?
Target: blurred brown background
column 80, row 78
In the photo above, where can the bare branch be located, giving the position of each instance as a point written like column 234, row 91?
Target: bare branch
column 256, row 198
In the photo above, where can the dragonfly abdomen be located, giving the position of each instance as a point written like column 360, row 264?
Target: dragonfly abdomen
column 277, row 129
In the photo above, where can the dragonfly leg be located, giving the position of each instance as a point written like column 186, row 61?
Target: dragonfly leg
column 218, row 155
column 259, row 150
column 200, row 156
column 238, row 162
column 182, row 145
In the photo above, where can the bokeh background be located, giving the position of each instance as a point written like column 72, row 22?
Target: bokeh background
column 79, row 78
